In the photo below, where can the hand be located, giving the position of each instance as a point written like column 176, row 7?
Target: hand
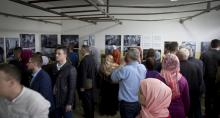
column 68, row 108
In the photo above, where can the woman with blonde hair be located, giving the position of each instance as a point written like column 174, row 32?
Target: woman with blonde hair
column 108, row 90
column 179, row 106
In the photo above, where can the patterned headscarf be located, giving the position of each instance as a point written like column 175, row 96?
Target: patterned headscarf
column 170, row 71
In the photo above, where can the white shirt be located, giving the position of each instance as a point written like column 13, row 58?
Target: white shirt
column 28, row 104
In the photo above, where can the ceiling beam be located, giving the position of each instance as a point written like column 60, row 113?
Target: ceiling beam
column 103, row 11
column 22, row 17
column 70, row 6
column 38, row 1
column 200, row 13
column 137, row 6
column 83, row 11
column 47, row 10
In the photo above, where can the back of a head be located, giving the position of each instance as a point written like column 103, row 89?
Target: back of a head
column 17, row 49
column 183, row 54
column 86, row 48
column 37, row 59
column 133, row 54
column 11, row 71
column 173, row 47
column 170, row 62
column 150, row 63
column 150, row 53
column 215, row 43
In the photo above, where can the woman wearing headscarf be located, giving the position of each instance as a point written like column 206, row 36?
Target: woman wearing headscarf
column 109, row 90
column 179, row 106
column 155, row 98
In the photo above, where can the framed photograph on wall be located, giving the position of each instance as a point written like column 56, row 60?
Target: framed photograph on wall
column 205, row 46
column 49, row 40
column 113, row 40
column 1, row 50
column 27, row 41
column 189, row 45
column 11, row 43
column 70, row 39
column 132, row 40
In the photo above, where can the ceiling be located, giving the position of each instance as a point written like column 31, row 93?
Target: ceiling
column 119, row 10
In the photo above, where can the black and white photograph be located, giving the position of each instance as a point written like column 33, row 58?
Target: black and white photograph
column 49, row 40
column 157, row 54
column 70, row 39
column 11, row 43
column 132, row 40
column 109, row 49
column 113, row 40
column 27, row 41
column 189, row 45
column 89, row 40
column 1, row 50
column 205, row 46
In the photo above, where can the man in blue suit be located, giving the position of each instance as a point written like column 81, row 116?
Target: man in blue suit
column 41, row 81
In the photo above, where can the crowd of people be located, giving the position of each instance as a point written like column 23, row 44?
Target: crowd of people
column 34, row 86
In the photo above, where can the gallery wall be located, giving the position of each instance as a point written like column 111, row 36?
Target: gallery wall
column 201, row 28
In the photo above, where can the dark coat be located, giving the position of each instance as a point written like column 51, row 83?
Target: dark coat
column 42, row 84
column 86, row 70
column 64, row 82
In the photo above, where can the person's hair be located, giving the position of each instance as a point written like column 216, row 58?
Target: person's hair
column 133, row 54
column 86, row 48
column 39, row 53
column 150, row 53
column 12, row 71
column 71, row 46
column 183, row 54
column 17, row 49
column 36, row 58
column 215, row 43
column 150, row 63
column 173, row 46
column 61, row 48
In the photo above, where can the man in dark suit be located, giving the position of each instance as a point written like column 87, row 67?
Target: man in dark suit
column 85, row 82
column 210, row 60
column 40, row 81
column 64, row 82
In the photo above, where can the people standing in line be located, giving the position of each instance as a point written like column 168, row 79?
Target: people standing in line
column 179, row 106
column 210, row 60
column 64, row 83
column 108, row 89
column 41, row 81
column 17, row 101
column 85, row 82
column 155, row 98
column 129, row 78
column 195, row 81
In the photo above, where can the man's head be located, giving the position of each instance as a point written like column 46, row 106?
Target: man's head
column 150, row 63
column 84, row 49
column 183, row 54
column 215, row 43
column 133, row 54
column 17, row 52
column 61, row 53
column 173, row 47
column 9, row 78
column 34, row 62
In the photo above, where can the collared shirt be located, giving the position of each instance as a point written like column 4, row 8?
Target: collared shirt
column 60, row 66
column 34, row 75
column 129, row 78
column 28, row 104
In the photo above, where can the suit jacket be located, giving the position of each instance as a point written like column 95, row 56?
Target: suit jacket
column 86, row 70
column 42, row 84
column 64, row 81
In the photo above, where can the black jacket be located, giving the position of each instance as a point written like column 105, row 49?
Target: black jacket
column 86, row 70
column 64, row 84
